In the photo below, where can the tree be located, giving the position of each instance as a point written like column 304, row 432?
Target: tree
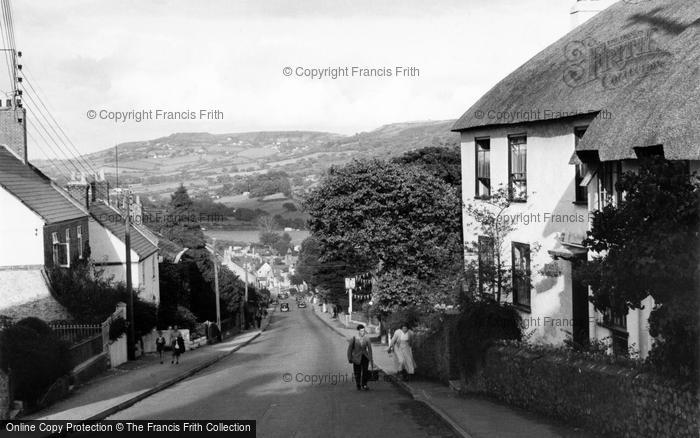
column 490, row 221
column 328, row 275
column 182, row 223
column 442, row 162
column 649, row 246
column 373, row 214
column 289, row 206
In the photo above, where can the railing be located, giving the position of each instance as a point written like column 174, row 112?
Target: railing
column 76, row 333
column 85, row 350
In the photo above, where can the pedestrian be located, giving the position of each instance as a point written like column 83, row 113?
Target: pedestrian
column 160, row 345
column 360, row 356
column 178, row 346
column 400, row 345
column 258, row 318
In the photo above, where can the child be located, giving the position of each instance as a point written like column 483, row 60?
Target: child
column 160, row 345
column 178, row 346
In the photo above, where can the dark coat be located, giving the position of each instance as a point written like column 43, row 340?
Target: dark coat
column 359, row 347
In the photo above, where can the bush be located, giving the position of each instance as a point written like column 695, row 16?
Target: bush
column 35, row 355
column 117, row 328
column 480, row 323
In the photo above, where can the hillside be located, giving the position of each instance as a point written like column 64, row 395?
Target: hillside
column 204, row 162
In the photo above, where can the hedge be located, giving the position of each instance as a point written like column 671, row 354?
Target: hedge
column 608, row 399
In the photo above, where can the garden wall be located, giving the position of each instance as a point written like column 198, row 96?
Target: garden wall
column 608, row 399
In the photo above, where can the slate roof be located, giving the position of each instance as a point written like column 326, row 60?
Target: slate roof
column 637, row 61
column 111, row 219
column 35, row 190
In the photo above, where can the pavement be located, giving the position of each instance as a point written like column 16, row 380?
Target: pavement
column 295, row 381
column 468, row 416
column 123, row 386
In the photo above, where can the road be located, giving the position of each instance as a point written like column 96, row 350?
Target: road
column 269, row 381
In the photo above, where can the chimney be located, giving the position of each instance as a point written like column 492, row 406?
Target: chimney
column 13, row 128
column 101, row 187
column 582, row 10
column 80, row 189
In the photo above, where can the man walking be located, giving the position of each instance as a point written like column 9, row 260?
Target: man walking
column 360, row 356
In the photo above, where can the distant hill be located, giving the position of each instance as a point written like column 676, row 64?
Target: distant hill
column 204, row 161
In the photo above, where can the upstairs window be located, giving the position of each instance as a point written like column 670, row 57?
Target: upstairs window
column 517, row 168
column 483, row 170
column 79, row 236
column 521, row 274
column 608, row 174
column 60, row 251
column 581, row 190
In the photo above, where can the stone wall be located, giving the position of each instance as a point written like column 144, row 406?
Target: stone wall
column 608, row 399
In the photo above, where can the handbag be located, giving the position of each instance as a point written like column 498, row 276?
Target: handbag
column 373, row 375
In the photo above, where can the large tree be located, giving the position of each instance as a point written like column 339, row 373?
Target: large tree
column 328, row 276
column 387, row 217
column 443, row 162
column 649, row 246
column 181, row 223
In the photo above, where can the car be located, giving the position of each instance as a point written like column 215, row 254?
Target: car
column 284, row 307
column 302, row 304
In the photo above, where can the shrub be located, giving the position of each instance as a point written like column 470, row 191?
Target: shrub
column 481, row 322
column 117, row 329
column 35, row 355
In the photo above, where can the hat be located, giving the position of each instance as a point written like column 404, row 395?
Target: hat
column 360, row 326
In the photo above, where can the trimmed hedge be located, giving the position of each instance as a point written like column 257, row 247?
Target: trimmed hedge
column 606, row 398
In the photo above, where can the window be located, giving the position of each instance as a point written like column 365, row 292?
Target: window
column 60, row 251
column 483, row 172
column 581, row 190
column 486, row 264
column 521, row 274
column 616, row 320
column 608, row 173
column 153, row 266
column 79, row 235
column 517, row 168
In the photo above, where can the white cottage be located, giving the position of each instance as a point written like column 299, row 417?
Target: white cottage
column 559, row 130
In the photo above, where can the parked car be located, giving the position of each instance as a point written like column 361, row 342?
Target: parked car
column 284, row 307
column 302, row 304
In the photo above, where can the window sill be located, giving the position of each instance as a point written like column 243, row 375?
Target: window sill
column 613, row 328
column 583, row 203
column 522, row 307
column 521, row 201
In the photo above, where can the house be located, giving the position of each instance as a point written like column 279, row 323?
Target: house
column 558, row 131
column 239, row 267
column 41, row 227
column 108, row 229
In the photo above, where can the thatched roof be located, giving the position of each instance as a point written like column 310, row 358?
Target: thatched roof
column 637, row 62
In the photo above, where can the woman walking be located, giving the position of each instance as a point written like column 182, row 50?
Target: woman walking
column 400, row 345
column 360, row 356
column 160, row 345
column 178, row 346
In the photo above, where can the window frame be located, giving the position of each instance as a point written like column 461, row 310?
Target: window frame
column 481, row 150
column 511, row 175
column 580, row 192
column 526, row 278
column 79, row 237
column 484, row 242
column 608, row 175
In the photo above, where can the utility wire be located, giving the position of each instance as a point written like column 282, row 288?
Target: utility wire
column 37, row 92
column 48, row 157
column 56, row 144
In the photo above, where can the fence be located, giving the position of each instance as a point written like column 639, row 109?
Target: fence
column 76, row 333
column 88, row 340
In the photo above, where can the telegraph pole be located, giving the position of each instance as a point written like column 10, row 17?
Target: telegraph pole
column 216, row 288
column 127, row 244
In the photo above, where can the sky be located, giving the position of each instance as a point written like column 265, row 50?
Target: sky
column 230, row 56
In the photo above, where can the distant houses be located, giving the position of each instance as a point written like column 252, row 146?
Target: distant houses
column 558, row 132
